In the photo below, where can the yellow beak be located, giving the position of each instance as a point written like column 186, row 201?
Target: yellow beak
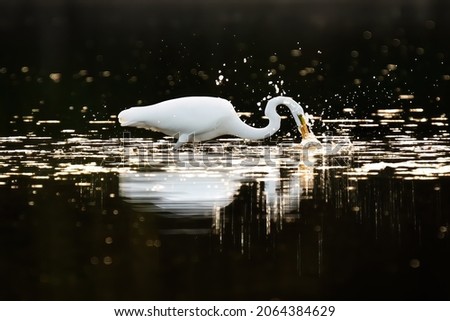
column 303, row 128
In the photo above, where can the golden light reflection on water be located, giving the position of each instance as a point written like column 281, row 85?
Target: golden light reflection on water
column 78, row 155
column 232, row 189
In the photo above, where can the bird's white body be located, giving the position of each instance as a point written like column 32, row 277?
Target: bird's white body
column 195, row 119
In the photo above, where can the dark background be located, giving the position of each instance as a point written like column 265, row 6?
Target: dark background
column 156, row 50
column 77, row 61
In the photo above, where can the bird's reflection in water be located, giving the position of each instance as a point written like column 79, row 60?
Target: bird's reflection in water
column 336, row 220
column 179, row 191
column 243, row 227
column 241, row 208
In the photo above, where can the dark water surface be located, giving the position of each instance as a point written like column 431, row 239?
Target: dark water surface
column 88, row 219
column 89, row 210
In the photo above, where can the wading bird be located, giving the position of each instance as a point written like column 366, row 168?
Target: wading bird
column 196, row 119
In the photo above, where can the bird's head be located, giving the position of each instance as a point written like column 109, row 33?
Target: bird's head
column 131, row 117
column 299, row 116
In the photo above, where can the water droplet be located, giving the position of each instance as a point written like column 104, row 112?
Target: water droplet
column 107, row 260
column 367, row 35
column 56, row 77
column 354, row 54
column 396, row 42
column 296, row 53
column 430, row 24
column 414, row 263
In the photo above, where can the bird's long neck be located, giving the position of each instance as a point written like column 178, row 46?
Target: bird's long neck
column 241, row 129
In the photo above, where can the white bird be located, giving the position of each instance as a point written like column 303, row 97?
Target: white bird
column 195, row 119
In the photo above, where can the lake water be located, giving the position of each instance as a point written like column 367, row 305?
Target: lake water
column 90, row 210
column 129, row 218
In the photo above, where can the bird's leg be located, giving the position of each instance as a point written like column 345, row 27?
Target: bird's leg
column 184, row 138
column 194, row 143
